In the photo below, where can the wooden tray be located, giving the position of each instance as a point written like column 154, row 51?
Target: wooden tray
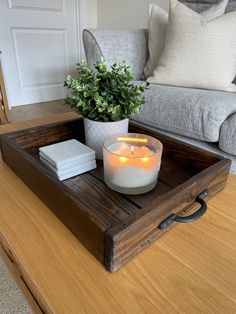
column 112, row 226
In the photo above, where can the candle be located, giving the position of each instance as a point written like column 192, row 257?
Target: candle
column 132, row 163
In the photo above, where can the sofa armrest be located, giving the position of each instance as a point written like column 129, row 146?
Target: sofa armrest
column 227, row 141
column 117, row 46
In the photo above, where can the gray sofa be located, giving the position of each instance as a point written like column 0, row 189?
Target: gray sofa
column 202, row 117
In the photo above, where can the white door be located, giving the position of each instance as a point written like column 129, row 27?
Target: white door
column 40, row 43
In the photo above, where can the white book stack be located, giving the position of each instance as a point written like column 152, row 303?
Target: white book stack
column 68, row 159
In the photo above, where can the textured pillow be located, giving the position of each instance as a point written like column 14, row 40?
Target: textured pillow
column 198, row 54
column 158, row 21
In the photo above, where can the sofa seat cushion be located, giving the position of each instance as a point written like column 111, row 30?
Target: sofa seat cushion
column 190, row 112
column 227, row 140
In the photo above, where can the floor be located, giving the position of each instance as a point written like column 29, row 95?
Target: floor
column 34, row 111
column 11, row 299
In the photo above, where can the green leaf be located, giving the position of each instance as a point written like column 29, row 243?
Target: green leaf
column 104, row 94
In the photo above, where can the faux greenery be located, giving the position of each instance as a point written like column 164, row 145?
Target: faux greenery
column 102, row 94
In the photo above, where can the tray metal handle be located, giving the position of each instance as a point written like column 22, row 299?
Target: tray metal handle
column 198, row 214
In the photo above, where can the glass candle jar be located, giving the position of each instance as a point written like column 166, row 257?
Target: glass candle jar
column 132, row 163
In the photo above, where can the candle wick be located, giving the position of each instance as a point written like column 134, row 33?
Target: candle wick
column 132, row 149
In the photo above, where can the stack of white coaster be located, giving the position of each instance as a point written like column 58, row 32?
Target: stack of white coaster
column 68, row 159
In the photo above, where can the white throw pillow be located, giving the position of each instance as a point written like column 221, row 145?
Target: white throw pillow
column 158, row 22
column 198, row 54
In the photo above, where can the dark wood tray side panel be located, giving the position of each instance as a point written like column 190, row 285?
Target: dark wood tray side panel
column 180, row 152
column 48, row 134
column 49, row 190
column 127, row 239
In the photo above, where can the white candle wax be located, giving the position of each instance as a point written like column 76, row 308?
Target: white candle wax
column 130, row 167
column 133, row 177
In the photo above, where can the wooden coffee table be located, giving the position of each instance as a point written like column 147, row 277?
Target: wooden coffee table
column 190, row 269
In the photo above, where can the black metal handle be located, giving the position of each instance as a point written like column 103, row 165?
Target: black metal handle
column 198, row 214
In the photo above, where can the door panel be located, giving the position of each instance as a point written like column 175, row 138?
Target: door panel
column 56, row 5
column 50, row 64
column 40, row 41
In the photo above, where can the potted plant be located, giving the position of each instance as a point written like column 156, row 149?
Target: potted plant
column 105, row 98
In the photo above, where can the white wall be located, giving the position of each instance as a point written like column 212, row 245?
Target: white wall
column 91, row 14
column 125, row 14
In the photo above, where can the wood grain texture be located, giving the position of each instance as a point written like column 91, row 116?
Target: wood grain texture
column 112, row 226
column 5, row 115
column 38, row 110
column 189, row 270
column 138, row 231
column 2, row 113
column 12, row 127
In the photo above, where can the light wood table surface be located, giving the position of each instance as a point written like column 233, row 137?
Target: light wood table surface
column 192, row 269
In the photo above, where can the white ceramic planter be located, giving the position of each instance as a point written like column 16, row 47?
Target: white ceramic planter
column 97, row 132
